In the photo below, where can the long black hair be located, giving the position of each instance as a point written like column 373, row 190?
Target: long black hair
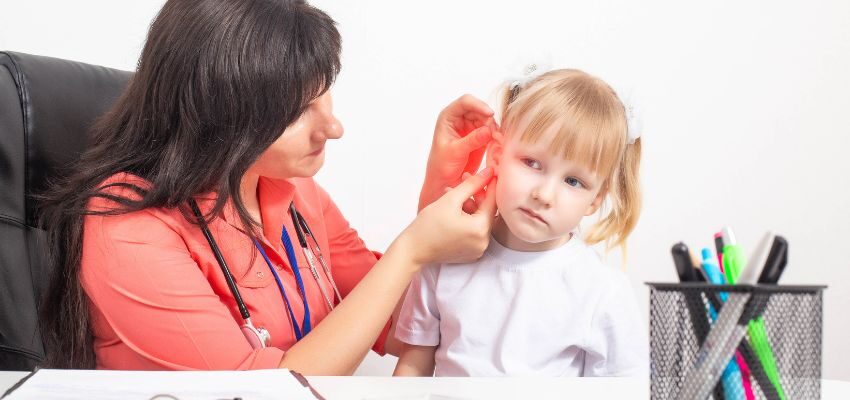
column 217, row 83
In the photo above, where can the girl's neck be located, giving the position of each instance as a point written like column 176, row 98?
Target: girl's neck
column 506, row 238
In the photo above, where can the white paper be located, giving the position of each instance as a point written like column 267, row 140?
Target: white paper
column 422, row 397
column 144, row 385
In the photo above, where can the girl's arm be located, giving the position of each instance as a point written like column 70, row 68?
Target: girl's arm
column 392, row 345
column 415, row 361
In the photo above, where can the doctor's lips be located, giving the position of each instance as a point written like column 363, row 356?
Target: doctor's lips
column 317, row 152
column 533, row 215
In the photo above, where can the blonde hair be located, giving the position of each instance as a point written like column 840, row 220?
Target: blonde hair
column 590, row 128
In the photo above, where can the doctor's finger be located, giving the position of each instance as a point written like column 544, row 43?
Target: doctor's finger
column 491, row 122
column 473, row 144
column 487, row 206
column 470, row 206
column 472, row 185
column 469, row 107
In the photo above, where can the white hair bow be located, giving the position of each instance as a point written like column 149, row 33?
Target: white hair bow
column 634, row 120
column 522, row 73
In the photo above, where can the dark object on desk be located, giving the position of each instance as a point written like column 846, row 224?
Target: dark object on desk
column 46, row 107
column 685, row 268
column 306, row 384
column 688, row 273
column 19, row 383
column 794, row 321
column 777, row 259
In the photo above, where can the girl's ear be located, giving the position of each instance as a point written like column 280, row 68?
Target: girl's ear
column 597, row 202
column 494, row 150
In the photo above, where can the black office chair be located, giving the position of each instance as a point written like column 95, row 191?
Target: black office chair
column 46, row 107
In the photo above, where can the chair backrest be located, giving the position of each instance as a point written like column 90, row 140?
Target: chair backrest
column 46, row 108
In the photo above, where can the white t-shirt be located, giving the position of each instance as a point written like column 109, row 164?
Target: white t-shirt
column 560, row 312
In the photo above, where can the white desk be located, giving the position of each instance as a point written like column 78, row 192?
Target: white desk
column 380, row 388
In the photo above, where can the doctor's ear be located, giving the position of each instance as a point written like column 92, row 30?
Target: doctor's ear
column 494, row 149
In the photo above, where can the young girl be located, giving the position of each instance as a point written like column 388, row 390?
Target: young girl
column 540, row 301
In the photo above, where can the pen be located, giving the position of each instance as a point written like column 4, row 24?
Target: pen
column 733, row 256
column 712, row 271
column 718, row 245
column 776, row 261
column 774, row 266
column 731, row 261
column 683, row 262
column 745, row 351
column 731, row 379
column 728, row 330
column 687, row 273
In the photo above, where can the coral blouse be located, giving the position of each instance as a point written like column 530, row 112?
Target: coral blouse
column 158, row 298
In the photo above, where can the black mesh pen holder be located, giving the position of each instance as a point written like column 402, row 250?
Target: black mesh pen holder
column 778, row 358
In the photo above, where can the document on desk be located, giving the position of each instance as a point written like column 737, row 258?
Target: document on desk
column 163, row 385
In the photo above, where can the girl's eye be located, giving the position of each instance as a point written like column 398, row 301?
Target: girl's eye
column 531, row 163
column 574, row 182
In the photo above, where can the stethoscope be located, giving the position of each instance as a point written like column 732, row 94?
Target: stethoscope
column 259, row 337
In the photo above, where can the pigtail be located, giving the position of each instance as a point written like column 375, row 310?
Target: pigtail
column 624, row 195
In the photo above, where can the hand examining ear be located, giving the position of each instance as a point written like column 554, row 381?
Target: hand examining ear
column 471, row 205
column 444, row 232
column 463, row 130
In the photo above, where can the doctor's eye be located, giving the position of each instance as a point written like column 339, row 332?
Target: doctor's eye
column 531, row 163
column 573, row 182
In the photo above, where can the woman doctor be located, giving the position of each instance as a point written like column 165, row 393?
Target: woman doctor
column 191, row 234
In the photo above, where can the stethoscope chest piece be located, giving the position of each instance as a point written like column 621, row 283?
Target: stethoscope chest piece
column 258, row 337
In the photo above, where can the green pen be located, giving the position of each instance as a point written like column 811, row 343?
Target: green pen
column 733, row 261
column 733, row 256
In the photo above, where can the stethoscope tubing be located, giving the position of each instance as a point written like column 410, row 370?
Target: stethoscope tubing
column 302, row 230
column 325, row 268
column 231, row 283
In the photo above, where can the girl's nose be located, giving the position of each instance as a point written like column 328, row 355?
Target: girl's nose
column 544, row 193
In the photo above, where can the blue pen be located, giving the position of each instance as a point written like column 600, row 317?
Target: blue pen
column 733, row 385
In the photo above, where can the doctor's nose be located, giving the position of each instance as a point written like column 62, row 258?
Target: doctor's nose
column 333, row 128
column 326, row 123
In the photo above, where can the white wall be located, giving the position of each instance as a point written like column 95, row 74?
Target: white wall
column 745, row 124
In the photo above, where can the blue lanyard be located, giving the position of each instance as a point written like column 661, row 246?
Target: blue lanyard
column 293, row 263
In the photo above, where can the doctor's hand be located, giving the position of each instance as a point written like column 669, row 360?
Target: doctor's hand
column 461, row 135
column 451, row 229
